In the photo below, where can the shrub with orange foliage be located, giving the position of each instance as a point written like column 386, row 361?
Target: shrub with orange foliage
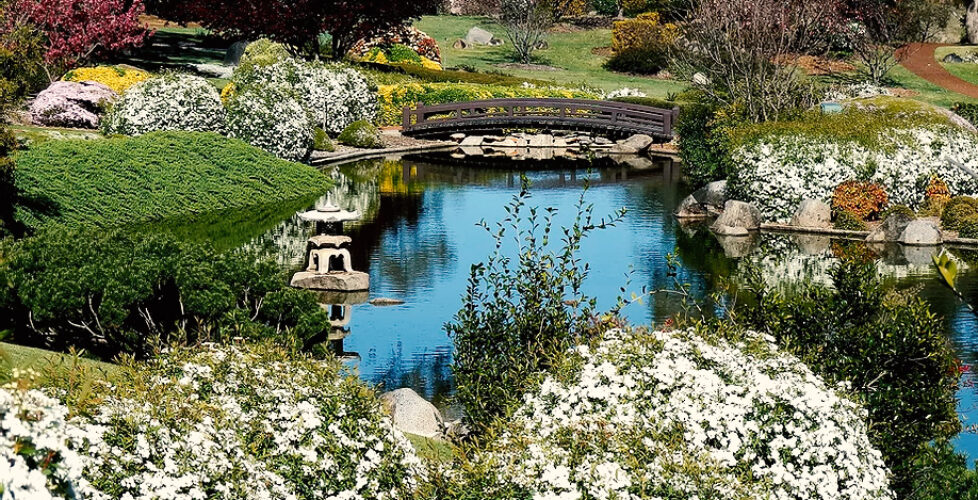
column 937, row 190
column 865, row 200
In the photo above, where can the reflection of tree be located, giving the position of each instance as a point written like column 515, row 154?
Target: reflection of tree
column 429, row 374
column 230, row 229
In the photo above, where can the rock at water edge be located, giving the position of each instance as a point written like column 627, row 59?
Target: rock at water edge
column 812, row 213
column 921, row 232
column 413, row 414
column 738, row 214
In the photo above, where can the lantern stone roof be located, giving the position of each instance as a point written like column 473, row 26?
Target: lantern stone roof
column 330, row 213
column 328, row 240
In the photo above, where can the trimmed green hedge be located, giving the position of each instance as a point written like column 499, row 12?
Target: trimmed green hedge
column 130, row 180
column 393, row 98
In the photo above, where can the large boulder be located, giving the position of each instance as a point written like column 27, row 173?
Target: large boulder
column 921, row 232
column 709, row 198
column 812, row 213
column 891, row 228
column 233, row 55
column 71, row 104
column 737, row 219
column 634, row 144
column 413, row 414
column 479, row 36
column 714, row 194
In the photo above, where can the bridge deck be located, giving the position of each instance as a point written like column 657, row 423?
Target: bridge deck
column 605, row 117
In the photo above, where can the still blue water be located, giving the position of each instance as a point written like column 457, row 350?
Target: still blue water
column 419, row 235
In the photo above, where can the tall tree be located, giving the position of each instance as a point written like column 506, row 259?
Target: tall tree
column 298, row 23
column 76, row 31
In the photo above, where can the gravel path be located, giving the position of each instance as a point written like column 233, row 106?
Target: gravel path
column 920, row 61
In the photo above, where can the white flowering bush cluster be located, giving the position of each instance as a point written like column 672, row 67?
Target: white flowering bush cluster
column 778, row 172
column 171, row 101
column 671, row 414
column 273, row 121
column 333, row 96
column 856, row 91
column 36, row 461
column 625, row 92
column 230, row 423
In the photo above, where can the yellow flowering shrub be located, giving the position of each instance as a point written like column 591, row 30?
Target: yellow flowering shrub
column 429, row 64
column 228, row 92
column 393, row 98
column 115, row 77
column 645, row 30
column 642, row 45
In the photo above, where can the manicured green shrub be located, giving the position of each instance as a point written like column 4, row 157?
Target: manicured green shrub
column 361, row 134
column 887, row 345
column 901, row 210
column 8, row 191
column 957, row 210
column 968, row 111
column 849, row 221
column 703, row 145
column 263, row 52
column 321, row 141
column 122, row 180
column 968, row 226
column 402, row 53
column 120, row 292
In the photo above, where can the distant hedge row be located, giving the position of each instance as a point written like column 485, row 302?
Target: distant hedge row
column 156, row 176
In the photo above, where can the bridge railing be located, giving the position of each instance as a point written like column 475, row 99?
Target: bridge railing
column 542, row 111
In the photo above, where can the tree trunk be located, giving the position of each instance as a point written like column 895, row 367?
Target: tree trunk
column 971, row 22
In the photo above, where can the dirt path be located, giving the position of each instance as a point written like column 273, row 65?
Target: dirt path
column 920, row 61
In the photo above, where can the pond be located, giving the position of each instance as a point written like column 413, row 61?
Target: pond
column 419, row 236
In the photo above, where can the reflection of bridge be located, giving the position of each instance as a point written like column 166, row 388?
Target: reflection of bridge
column 604, row 117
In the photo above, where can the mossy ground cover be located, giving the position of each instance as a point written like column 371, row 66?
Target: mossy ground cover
column 158, row 176
column 573, row 53
column 870, row 127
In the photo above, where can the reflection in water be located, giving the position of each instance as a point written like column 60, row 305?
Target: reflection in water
column 418, row 239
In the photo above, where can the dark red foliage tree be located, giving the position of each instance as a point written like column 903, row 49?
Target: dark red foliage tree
column 298, row 23
column 78, row 30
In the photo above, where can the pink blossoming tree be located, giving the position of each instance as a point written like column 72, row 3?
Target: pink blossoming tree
column 76, row 31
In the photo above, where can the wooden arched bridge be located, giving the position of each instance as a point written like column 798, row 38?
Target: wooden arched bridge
column 608, row 118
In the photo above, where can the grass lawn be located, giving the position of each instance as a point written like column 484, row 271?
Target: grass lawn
column 927, row 91
column 48, row 363
column 571, row 52
column 965, row 71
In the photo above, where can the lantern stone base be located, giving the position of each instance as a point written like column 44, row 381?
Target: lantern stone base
column 351, row 281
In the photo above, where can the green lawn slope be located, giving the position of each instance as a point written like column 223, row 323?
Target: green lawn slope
column 572, row 53
column 158, row 176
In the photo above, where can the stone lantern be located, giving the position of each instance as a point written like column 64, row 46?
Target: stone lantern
column 330, row 265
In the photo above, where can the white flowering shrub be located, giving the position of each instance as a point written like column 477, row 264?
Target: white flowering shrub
column 897, row 143
column 776, row 174
column 171, row 101
column 678, row 414
column 625, row 92
column 334, row 96
column 856, row 91
column 272, row 121
column 243, row 422
column 36, row 461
